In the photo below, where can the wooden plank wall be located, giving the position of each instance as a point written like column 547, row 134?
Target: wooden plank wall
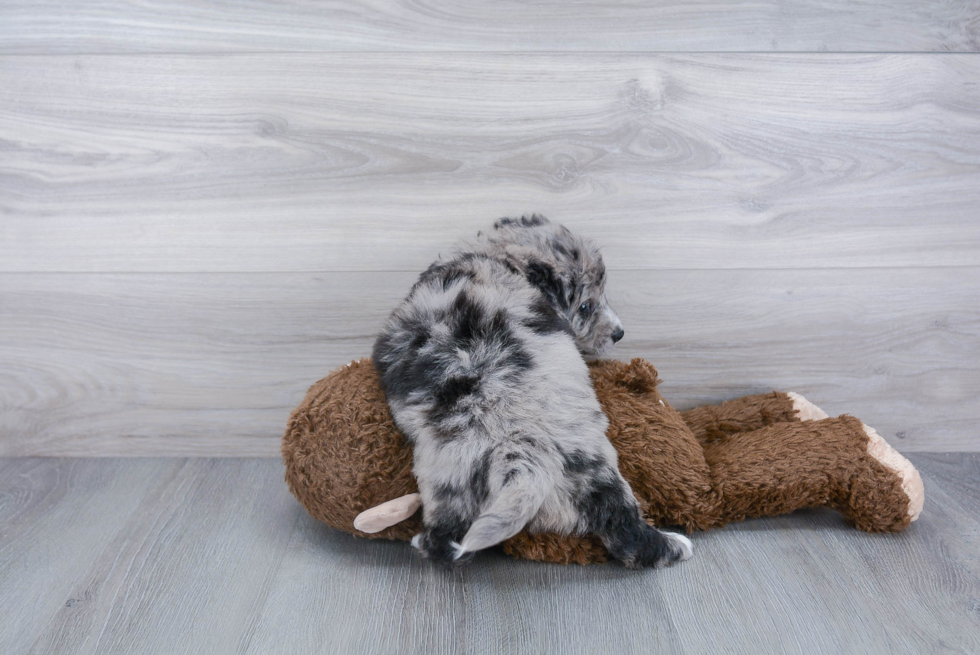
column 204, row 208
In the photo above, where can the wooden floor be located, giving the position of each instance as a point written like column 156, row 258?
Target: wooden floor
column 214, row 556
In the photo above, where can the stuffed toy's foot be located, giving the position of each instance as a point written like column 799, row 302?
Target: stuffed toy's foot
column 892, row 460
column 805, row 410
column 879, row 449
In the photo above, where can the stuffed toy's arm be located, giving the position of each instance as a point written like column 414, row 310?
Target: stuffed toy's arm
column 387, row 514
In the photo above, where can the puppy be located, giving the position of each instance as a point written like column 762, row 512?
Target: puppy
column 483, row 366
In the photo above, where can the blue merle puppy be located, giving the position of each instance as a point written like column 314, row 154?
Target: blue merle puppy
column 484, row 369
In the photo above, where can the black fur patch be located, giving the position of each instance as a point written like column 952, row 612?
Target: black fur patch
column 559, row 247
column 524, row 221
column 455, row 388
column 448, row 273
column 454, row 275
column 579, row 463
column 472, row 326
column 602, row 506
column 402, row 373
column 445, row 491
column 497, row 329
column 543, row 276
column 518, row 361
column 480, row 477
column 466, row 317
column 449, row 393
column 545, row 319
column 606, row 513
column 444, row 528
column 420, row 335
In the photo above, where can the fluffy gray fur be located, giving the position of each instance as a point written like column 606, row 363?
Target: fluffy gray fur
column 484, row 369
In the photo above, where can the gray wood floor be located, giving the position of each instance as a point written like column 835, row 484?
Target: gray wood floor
column 214, row 556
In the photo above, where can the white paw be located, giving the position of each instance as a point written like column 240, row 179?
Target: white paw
column 416, row 540
column 687, row 548
column 458, row 551
column 806, row 410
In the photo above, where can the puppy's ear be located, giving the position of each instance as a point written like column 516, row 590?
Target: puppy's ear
column 534, row 220
column 544, row 277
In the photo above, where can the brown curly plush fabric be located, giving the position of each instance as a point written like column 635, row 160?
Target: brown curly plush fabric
column 699, row 469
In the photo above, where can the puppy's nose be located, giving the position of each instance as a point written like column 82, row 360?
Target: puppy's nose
column 617, row 335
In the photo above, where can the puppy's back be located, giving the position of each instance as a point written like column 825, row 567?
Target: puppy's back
column 481, row 376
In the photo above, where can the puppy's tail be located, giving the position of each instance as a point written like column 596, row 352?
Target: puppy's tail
column 515, row 505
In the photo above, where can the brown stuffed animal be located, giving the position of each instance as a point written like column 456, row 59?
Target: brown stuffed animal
column 754, row 456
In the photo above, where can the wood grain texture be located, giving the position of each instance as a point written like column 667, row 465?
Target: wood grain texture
column 958, row 476
column 56, row 516
column 182, row 364
column 215, row 556
column 206, row 543
column 765, row 25
column 346, row 162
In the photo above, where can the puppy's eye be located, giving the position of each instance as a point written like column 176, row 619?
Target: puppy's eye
column 586, row 308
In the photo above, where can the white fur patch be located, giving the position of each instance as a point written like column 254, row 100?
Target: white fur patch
column 687, row 548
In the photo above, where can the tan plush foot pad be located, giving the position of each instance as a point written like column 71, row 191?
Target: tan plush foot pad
column 892, row 460
column 880, row 450
column 806, row 410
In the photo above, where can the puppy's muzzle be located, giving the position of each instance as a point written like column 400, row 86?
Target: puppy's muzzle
column 618, row 334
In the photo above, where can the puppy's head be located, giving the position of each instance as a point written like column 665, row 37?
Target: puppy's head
column 568, row 270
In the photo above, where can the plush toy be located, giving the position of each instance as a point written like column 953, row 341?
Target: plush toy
column 756, row 456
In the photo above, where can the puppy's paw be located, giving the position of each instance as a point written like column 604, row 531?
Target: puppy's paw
column 439, row 549
column 657, row 549
column 684, row 546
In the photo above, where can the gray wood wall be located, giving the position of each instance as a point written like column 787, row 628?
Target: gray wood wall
column 204, row 208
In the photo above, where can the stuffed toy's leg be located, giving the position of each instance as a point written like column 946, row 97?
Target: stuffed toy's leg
column 713, row 422
column 776, row 453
